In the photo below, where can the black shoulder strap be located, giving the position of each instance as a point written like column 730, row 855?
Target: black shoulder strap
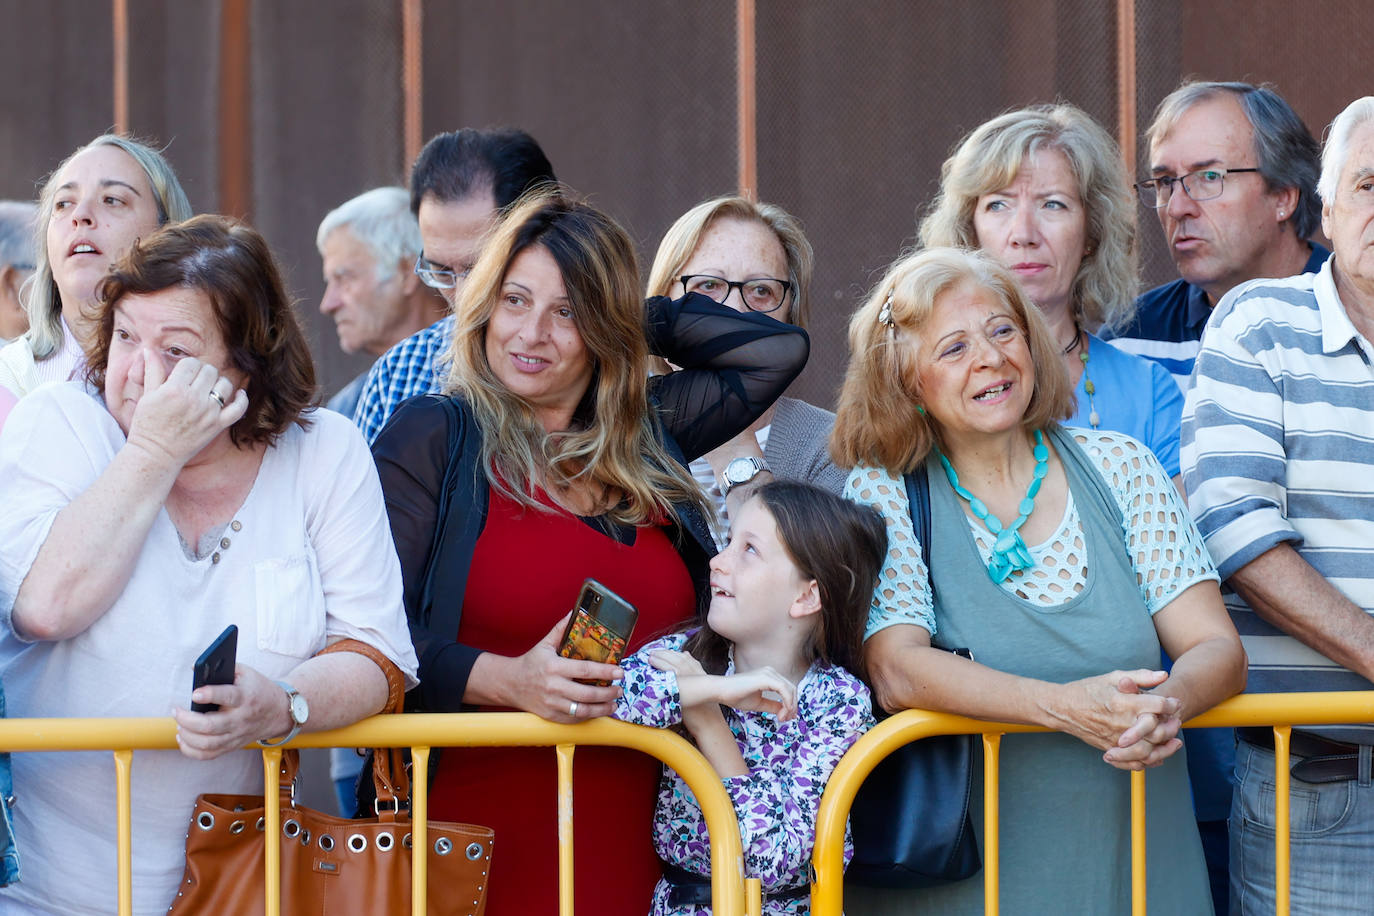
column 918, row 495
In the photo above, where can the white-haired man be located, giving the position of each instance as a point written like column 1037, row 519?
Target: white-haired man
column 1278, row 443
column 16, row 264
column 369, row 245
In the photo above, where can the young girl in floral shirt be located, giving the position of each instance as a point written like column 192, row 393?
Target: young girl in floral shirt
column 767, row 689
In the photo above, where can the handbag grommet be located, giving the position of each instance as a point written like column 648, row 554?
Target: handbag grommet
column 357, row 842
column 326, row 842
column 443, row 846
column 205, row 820
column 474, row 851
column 305, row 837
column 407, row 842
column 261, row 824
column 237, row 827
column 384, row 841
column 291, row 829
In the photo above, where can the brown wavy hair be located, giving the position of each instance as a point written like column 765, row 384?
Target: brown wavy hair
column 613, row 440
column 231, row 264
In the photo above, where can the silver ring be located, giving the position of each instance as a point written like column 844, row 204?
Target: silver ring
column 572, row 709
column 216, row 396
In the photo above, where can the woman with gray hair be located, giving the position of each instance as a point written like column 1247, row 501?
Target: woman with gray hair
column 753, row 257
column 94, row 206
column 1043, row 191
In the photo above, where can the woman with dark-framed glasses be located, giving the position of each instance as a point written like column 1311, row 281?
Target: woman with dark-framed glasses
column 752, row 257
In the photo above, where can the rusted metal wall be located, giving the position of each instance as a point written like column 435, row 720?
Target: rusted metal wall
column 857, row 103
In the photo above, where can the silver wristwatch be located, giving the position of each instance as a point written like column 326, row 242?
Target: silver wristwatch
column 740, row 471
column 300, row 712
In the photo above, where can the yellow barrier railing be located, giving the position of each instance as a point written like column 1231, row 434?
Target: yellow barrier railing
column 731, row 892
column 1281, row 711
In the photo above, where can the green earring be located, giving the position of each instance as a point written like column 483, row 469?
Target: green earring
column 920, row 410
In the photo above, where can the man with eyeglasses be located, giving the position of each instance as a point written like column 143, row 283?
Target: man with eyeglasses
column 1233, row 173
column 368, row 246
column 16, row 264
column 461, row 181
column 1278, row 443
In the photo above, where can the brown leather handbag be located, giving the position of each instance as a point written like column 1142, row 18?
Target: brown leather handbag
column 331, row 864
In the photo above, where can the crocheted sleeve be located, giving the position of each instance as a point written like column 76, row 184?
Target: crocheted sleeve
column 1161, row 538
column 903, row 593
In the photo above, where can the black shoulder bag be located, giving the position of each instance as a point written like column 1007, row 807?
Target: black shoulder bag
column 910, row 818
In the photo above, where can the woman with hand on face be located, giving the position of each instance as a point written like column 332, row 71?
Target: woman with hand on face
column 188, row 488
column 1044, row 192
column 551, row 458
column 1062, row 558
column 99, row 201
column 752, row 257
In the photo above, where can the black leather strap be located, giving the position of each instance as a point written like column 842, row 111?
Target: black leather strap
column 690, row 889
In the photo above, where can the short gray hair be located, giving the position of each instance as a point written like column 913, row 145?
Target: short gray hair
column 1360, row 111
column 18, row 219
column 1286, row 153
column 381, row 220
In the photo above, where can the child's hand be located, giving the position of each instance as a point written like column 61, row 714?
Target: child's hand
column 683, row 664
column 760, row 690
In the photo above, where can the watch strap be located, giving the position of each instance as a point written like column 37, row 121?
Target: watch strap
column 291, row 694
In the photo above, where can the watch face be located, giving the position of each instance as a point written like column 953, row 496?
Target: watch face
column 300, row 709
column 740, row 469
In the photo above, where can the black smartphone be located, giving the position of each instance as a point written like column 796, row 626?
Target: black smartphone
column 216, row 665
column 600, row 627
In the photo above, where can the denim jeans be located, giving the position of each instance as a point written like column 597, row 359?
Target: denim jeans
column 9, row 856
column 1331, row 845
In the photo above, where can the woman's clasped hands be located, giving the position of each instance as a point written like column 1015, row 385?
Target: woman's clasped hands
column 1116, row 713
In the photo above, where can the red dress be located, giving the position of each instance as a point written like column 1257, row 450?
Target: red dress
column 527, row 569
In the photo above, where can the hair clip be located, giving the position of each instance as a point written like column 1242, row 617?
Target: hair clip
column 885, row 313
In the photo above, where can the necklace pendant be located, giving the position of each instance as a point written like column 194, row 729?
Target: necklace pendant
column 1094, row 420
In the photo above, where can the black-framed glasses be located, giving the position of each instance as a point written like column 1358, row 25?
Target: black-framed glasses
column 1204, row 184
column 438, row 276
column 762, row 294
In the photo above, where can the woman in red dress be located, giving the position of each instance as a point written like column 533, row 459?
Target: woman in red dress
column 553, row 457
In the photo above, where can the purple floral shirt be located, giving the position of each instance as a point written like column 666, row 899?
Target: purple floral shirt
column 776, row 803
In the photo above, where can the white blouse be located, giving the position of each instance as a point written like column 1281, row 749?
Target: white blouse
column 307, row 558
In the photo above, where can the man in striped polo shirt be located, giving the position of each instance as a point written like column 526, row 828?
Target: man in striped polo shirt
column 1278, row 459
column 1233, row 174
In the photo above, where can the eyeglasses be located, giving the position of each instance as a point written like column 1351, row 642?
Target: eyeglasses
column 438, row 276
column 764, row 294
column 1204, row 184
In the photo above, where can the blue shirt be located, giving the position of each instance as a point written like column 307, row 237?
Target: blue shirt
column 407, row 370
column 1169, row 320
column 1133, row 396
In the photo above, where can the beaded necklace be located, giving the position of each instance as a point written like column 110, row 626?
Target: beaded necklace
column 1094, row 420
column 1009, row 551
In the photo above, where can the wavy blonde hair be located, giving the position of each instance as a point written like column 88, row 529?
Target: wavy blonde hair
column 685, row 234
column 44, row 303
column 991, row 157
column 879, row 420
column 613, row 440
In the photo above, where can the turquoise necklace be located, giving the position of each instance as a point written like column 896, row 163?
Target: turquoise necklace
column 1009, row 552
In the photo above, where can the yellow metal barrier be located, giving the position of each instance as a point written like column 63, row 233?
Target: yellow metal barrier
column 731, row 893
column 1281, row 711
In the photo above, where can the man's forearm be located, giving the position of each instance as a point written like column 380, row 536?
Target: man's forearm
column 1284, row 590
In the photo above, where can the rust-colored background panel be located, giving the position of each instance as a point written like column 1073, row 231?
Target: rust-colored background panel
column 281, row 110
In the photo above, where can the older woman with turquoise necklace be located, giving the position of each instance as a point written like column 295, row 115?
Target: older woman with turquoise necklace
column 1043, row 191
column 1043, row 565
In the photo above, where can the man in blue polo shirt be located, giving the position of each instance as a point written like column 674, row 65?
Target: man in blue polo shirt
column 1233, row 175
